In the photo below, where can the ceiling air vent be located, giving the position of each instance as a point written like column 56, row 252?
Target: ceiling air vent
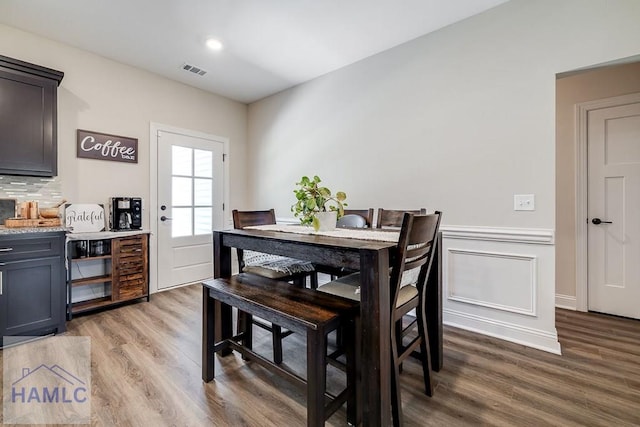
column 193, row 69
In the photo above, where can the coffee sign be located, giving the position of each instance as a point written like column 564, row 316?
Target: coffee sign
column 102, row 146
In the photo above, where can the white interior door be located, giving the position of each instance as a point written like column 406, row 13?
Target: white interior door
column 189, row 206
column 614, row 210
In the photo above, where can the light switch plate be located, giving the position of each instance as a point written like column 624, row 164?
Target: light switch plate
column 524, row 202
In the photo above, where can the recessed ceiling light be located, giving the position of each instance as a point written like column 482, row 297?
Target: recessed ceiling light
column 214, row 44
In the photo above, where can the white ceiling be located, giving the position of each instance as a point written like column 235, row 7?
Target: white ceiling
column 270, row 45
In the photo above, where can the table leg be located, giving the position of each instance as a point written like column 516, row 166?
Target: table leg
column 376, row 338
column 221, row 257
column 222, row 268
column 208, row 338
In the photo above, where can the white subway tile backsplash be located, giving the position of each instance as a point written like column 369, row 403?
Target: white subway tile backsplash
column 46, row 190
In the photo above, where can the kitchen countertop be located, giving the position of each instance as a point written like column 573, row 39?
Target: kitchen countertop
column 25, row 230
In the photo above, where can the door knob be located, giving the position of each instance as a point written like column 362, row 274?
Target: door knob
column 597, row 221
column 164, row 218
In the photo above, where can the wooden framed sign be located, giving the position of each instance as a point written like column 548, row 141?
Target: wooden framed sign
column 102, row 146
column 84, row 218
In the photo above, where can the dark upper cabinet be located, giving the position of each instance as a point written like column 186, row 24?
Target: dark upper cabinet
column 28, row 118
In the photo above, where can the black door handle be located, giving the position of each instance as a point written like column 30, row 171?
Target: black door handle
column 164, row 218
column 597, row 221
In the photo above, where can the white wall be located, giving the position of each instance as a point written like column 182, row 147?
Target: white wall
column 459, row 120
column 106, row 96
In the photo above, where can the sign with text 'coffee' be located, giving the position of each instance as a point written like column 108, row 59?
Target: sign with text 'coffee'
column 102, row 146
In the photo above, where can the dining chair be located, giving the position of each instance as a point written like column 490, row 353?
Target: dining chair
column 349, row 220
column 367, row 214
column 407, row 279
column 394, row 217
column 272, row 267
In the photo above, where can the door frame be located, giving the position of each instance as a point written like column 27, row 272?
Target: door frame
column 154, row 128
column 582, row 189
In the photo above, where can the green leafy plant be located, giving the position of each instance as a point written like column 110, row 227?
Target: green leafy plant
column 312, row 198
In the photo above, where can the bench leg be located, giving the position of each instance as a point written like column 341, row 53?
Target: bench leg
column 316, row 377
column 224, row 328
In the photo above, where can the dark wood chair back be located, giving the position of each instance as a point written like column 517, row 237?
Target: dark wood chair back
column 394, row 217
column 242, row 219
column 367, row 214
column 416, row 249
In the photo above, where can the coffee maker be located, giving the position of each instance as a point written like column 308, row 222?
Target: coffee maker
column 125, row 214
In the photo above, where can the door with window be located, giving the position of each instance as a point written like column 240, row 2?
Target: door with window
column 189, row 206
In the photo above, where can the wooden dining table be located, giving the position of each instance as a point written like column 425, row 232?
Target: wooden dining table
column 372, row 259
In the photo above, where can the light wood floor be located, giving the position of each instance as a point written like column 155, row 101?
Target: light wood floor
column 146, row 372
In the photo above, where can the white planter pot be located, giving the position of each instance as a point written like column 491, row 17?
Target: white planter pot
column 325, row 221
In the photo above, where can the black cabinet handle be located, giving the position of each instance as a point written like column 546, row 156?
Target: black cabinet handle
column 598, row 221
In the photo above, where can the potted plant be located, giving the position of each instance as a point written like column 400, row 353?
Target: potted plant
column 316, row 206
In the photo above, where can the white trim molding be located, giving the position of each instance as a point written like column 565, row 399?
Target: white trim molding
column 507, row 331
column 499, row 234
column 582, row 215
column 566, row 301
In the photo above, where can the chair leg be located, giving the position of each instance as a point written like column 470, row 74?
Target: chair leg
column 339, row 338
column 425, row 351
column 352, row 373
column 277, row 343
column 398, row 326
column 313, row 280
column 396, row 399
column 247, row 329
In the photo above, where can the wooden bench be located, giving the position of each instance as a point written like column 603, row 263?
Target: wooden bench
column 300, row 310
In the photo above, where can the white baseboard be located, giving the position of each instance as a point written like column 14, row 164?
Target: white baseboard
column 518, row 334
column 566, row 301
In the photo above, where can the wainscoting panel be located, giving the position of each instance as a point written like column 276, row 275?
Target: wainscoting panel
column 502, row 281
column 498, row 281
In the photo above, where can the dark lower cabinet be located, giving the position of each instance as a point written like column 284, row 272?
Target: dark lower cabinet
column 32, row 285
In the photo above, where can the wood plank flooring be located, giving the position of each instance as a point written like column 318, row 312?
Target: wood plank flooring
column 146, row 372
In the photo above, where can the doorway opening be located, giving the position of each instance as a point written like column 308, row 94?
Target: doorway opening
column 578, row 93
